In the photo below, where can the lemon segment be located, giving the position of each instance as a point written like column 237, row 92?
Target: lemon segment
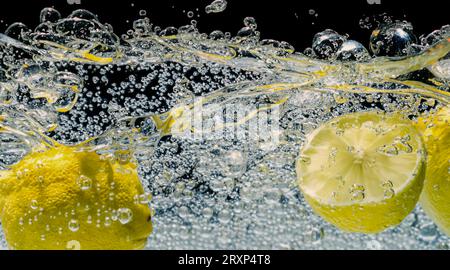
column 363, row 172
column 435, row 198
column 64, row 198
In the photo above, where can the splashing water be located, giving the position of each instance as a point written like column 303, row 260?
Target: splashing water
column 214, row 121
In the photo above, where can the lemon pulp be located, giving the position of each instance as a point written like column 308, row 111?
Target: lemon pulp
column 363, row 172
column 64, row 198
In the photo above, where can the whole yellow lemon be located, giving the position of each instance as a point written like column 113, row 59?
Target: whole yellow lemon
column 65, row 198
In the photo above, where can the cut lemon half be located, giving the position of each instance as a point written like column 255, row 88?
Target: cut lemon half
column 435, row 198
column 363, row 172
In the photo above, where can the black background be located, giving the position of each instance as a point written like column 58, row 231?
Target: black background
column 287, row 20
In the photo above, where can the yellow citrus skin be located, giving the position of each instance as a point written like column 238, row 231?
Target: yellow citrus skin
column 357, row 141
column 68, row 199
column 435, row 198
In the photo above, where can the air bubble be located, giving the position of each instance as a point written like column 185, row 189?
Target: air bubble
column 49, row 15
column 34, row 205
column 216, row 6
column 317, row 234
column 428, row 232
column 326, row 43
column 142, row 12
column 373, row 245
column 74, row 225
column 250, row 22
column 352, row 50
column 393, row 39
column 144, row 198
column 357, row 192
column 124, row 215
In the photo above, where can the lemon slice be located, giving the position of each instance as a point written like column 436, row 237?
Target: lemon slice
column 435, row 198
column 363, row 172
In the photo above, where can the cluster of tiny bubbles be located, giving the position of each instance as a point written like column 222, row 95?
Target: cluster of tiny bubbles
column 263, row 204
column 248, row 34
column 372, row 22
column 313, row 14
column 72, row 78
